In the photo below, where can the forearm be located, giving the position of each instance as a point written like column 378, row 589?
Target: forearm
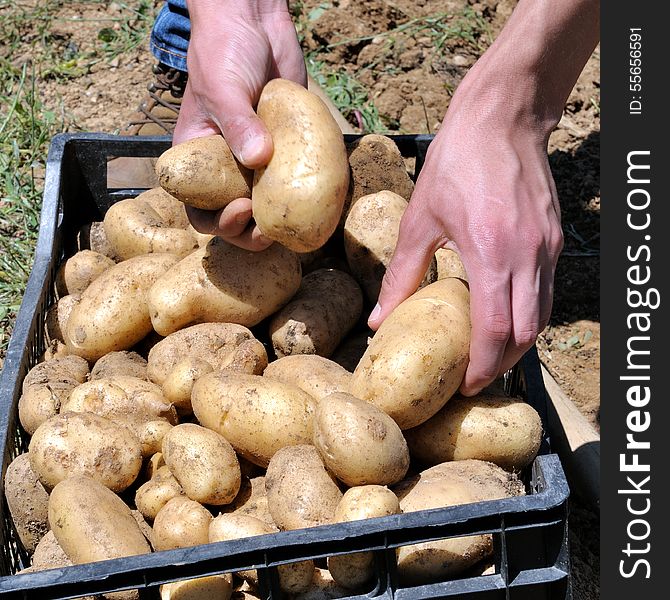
column 534, row 63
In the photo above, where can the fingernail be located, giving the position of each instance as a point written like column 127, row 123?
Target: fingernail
column 376, row 311
column 252, row 149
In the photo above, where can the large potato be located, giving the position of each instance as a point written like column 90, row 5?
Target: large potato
column 134, row 227
column 316, row 375
column 363, row 502
column 224, row 283
column 85, row 444
column 222, row 345
column 92, row 523
column 78, row 271
column 257, row 416
column 301, row 492
column 113, row 313
column 46, row 386
column 326, row 307
column 502, row 430
column 27, row 500
column 370, row 237
column 417, row 359
column 202, row 172
column 297, row 199
column 293, row 577
column 450, row 484
column 358, row 442
column 203, row 462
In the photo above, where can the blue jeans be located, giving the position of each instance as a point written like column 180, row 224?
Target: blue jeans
column 171, row 33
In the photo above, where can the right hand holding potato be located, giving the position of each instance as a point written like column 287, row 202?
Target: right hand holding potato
column 235, row 49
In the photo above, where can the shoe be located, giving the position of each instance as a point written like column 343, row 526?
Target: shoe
column 157, row 113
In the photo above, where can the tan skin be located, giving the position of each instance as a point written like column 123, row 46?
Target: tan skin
column 485, row 189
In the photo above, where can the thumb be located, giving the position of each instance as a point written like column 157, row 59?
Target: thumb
column 234, row 117
column 408, row 266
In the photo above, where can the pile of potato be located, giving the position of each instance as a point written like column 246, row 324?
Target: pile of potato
column 196, row 392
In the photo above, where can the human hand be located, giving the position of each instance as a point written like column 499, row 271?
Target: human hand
column 487, row 190
column 234, row 50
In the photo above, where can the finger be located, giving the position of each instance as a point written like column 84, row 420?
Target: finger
column 408, row 266
column 490, row 311
column 251, row 239
column 229, row 222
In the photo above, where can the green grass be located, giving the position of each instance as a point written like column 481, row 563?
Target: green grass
column 27, row 125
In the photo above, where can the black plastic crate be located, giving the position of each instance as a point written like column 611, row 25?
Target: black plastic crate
column 531, row 557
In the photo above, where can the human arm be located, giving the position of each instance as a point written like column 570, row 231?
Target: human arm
column 486, row 187
column 236, row 46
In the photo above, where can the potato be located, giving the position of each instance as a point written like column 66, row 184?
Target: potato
column 370, row 237
column 222, row 345
column 27, row 500
column 113, row 313
column 203, row 462
column 224, row 283
column 257, row 416
column 450, row 484
column 54, row 349
column 46, row 386
column 92, row 523
column 359, row 443
column 181, row 523
column 301, row 492
column 178, row 385
column 293, row 577
column 316, row 375
column 417, row 359
column 326, row 307
column 297, row 199
column 48, row 554
column 219, row 587
column 449, row 264
column 203, row 172
column 322, row 588
column 57, row 316
column 85, row 444
column 153, row 463
column 252, row 499
column 134, row 227
column 77, row 272
column 122, row 362
column 502, row 430
column 154, row 494
column 363, row 502
column 151, row 434
column 376, row 165
column 127, row 400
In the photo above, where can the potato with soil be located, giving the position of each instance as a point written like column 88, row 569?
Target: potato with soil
column 256, row 415
column 113, row 313
column 122, row 362
column 92, row 236
column 218, row 587
column 360, row 444
column 301, row 492
column 297, row 199
column 147, row 224
column 203, row 462
column 27, row 500
column 57, row 316
column 370, row 237
column 85, row 444
column 203, row 173
column 450, row 484
column 224, row 283
column 364, row 502
column 181, row 523
column 77, row 272
column 252, row 499
column 499, row 429
column 449, row 264
column 92, row 523
column 417, row 359
column 46, row 386
column 314, row 374
column 293, row 577
column 326, row 307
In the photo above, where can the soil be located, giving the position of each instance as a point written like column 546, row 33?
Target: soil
column 409, row 84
